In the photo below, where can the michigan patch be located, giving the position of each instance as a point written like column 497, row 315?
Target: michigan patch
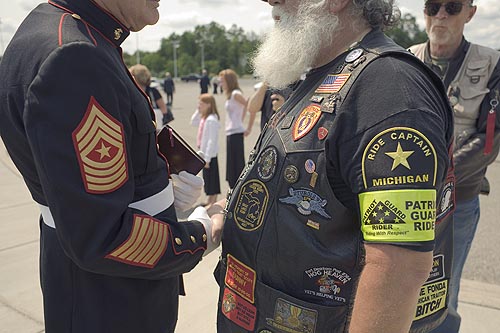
column 399, row 156
column 251, row 205
column 398, row 215
column 100, row 147
column 145, row 245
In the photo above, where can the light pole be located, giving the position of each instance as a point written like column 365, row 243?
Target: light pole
column 137, row 52
column 176, row 45
column 201, row 42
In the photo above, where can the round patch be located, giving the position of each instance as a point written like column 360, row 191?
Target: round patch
column 310, row 166
column 251, row 205
column 265, row 331
column 291, row 174
column 399, row 156
column 266, row 165
column 353, row 55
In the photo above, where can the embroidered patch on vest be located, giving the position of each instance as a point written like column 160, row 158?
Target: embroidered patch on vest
column 145, row 245
column 100, row 148
column 266, row 164
column 398, row 156
column 398, row 215
column 322, row 133
column 306, row 121
column 306, row 202
column 437, row 272
column 431, row 299
column 240, row 278
column 326, row 283
column 293, row 318
column 251, row 205
column 238, row 310
column 332, row 84
column 446, row 203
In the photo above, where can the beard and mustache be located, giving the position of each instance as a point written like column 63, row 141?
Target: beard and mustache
column 292, row 47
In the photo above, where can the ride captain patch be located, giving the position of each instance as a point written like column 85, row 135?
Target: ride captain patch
column 399, row 169
column 100, row 148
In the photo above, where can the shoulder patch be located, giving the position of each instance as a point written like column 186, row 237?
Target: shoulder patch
column 100, row 148
column 145, row 245
column 399, row 156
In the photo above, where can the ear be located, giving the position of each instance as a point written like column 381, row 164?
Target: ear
column 336, row 6
column 472, row 12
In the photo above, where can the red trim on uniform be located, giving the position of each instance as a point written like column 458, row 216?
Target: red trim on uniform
column 61, row 21
column 187, row 250
column 490, row 131
column 100, row 33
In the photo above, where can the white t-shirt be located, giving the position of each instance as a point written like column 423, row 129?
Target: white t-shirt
column 234, row 113
column 210, row 137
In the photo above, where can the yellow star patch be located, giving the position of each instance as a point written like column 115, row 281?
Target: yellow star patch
column 400, row 157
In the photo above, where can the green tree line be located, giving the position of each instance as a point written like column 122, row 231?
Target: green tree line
column 232, row 48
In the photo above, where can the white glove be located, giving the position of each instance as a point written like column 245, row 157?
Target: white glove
column 200, row 215
column 187, row 189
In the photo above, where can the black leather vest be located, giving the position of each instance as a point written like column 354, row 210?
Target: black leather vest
column 295, row 252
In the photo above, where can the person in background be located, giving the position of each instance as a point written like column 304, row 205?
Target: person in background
column 215, row 84
column 169, row 88
column 235, row 107
column 343, row 208
column 267, row 101
column 142, row 76
column 206, row 118
column 80, row 131
column 471, row 75
column 204, row 82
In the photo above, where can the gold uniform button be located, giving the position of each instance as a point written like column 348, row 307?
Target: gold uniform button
column 76, row 16
column 193, row 239
column 178, row 241
column 204, row 237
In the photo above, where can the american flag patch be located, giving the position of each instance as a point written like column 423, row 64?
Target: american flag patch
column 332, row 84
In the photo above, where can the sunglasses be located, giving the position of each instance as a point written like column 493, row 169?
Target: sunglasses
column 452, row 7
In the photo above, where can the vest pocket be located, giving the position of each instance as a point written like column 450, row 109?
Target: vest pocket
column 279, row 312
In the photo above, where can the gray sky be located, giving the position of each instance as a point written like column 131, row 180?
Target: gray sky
column 251, row 15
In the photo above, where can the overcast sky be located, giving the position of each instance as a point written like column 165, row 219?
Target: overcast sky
column 251, row 15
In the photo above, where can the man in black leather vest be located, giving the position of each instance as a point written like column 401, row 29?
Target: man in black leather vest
column 471, row 75
column 339, row 222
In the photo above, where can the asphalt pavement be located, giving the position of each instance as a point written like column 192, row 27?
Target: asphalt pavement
column 20, row 296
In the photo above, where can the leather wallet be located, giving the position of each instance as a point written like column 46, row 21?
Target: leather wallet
column 180, row 156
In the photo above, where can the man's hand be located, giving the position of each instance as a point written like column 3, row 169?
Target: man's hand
column 187, row 189
column 218, row 216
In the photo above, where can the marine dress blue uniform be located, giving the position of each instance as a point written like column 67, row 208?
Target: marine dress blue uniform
column 81, row 133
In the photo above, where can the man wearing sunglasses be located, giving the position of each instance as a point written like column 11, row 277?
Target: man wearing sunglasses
column 471, row 74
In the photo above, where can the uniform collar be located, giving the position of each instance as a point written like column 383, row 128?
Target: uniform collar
column 108, row 25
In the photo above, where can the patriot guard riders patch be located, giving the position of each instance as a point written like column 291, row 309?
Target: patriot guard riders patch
column 393, row 211
column 100, row 147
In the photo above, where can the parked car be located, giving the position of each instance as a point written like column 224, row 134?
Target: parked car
column 191, row 77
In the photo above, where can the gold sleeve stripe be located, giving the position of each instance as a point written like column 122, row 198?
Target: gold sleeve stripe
column 148, row 241
column 100, row 146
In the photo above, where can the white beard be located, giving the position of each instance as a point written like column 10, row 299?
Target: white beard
column 292, row 47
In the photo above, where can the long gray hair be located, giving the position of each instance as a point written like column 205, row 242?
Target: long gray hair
column 381, row 14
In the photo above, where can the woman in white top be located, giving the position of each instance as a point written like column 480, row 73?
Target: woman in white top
column 206, row 118
column 235, row 113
